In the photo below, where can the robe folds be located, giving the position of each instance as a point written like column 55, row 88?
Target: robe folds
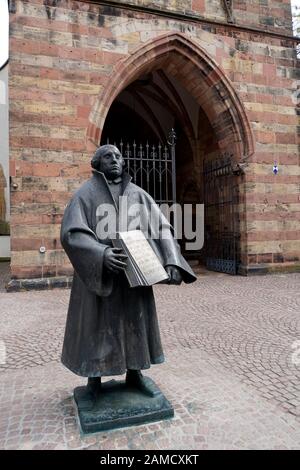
column 110, row 326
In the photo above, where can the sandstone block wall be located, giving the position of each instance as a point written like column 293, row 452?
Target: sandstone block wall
column 63, row 54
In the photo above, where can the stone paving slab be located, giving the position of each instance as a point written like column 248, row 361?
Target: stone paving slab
column 229, row 372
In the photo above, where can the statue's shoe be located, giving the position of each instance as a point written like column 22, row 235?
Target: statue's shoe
column 88, row 397
column 144, row 384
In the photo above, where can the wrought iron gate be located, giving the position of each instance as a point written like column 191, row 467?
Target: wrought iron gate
column 152, row 167
column 221, row 199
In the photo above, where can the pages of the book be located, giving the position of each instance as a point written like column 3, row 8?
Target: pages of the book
column 143, row 266
column 131, row 271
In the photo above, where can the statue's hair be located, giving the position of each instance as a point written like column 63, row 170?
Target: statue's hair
column 95, row 162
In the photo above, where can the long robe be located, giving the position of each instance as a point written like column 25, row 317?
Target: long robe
column 110, row 326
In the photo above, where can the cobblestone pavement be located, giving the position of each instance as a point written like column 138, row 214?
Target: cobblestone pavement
column 229, row 371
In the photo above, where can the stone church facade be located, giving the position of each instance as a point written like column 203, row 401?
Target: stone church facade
column 222, row 73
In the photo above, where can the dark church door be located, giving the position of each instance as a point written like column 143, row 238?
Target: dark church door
column 221, row 215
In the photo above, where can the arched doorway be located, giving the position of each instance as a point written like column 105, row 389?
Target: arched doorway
column 139, row 123
column 171, row 82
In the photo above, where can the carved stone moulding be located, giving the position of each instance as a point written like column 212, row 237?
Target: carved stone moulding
column 228, row 7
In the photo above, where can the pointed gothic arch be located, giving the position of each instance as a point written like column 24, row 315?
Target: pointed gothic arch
column 185, row 60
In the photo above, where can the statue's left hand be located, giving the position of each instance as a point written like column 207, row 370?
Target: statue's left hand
column 174, row 275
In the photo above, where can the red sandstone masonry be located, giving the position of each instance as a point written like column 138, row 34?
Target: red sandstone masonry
column 274, row 235
column 261, row 12
column 31, row 244
column 279, row 216
column 48, row 94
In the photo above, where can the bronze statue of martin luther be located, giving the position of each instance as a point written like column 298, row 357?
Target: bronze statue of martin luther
column 111, row 328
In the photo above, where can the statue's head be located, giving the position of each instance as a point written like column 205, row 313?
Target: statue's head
column 108, row 159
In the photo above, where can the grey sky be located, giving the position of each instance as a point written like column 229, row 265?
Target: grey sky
column 3, row 32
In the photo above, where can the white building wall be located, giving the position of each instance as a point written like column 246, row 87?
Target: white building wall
column 4, row 157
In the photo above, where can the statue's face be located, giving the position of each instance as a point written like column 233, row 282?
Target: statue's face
column 111, row 163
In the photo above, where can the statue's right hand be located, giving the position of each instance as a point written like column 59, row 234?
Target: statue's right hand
column 114, row 260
